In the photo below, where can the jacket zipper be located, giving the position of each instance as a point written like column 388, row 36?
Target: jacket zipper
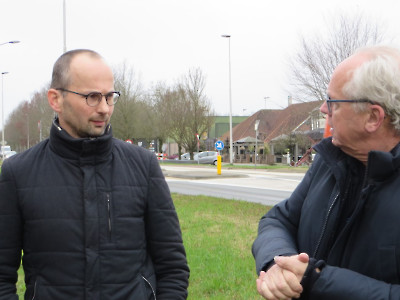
column 34, row 291
column 152, row 290
column 109, row 215
column 325, row 225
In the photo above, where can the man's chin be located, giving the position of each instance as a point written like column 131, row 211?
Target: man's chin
column 96, row 132
column 335, row 142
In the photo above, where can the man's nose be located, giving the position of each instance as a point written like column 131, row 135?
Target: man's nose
column 103, row 107
column 324, row 108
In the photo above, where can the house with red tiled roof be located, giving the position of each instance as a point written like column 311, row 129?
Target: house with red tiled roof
column 299, row 118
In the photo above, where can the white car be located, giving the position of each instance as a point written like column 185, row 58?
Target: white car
column 8, row 154
column 186, row 156
column 206, row 157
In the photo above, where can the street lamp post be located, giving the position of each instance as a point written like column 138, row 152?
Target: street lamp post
column 230, row 101
column 64, row 26
column 2, row 109
column 255, row 149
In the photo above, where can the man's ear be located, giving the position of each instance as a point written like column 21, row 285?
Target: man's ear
column 55, row 100
column 375, row 119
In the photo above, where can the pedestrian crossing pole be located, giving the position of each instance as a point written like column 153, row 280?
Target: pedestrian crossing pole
column 219, row 145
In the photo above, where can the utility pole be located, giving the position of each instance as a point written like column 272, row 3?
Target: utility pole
column 65, row 26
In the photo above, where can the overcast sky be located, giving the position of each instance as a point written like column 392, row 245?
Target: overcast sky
column 162, row 39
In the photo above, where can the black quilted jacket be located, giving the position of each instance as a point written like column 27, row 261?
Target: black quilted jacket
column 94, row 219
column 363, row 262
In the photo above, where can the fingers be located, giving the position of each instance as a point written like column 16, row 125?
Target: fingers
column 293, row 282
column 296, row 264
column 304, row 258
column 278, row 284
column 282, row 280
column 259, row 282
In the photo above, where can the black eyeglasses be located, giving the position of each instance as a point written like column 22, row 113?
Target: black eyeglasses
column 330, row 101
column 94, row 98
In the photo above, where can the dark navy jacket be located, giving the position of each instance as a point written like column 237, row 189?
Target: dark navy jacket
column 363, row 262
column 94, row 219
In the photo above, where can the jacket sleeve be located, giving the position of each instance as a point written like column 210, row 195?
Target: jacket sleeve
column 336, row 283
column 10, row 235
column 165, row 238
column 277, row 236
column 277, row 229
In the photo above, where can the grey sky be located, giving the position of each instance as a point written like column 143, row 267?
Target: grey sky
column 163, row 39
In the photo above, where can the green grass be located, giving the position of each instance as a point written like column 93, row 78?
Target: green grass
column 218, row 235
column 21, row 284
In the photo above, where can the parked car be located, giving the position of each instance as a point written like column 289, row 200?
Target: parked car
column 186, row 156
column 5, row 149
column 8, row 154
column 206, row 157
column 173, row 156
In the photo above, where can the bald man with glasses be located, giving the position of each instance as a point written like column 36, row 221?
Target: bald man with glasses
column 92, row 214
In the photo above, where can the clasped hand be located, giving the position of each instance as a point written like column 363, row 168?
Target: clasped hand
column 282, row 280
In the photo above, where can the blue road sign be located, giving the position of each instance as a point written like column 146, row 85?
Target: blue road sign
column 219, row 145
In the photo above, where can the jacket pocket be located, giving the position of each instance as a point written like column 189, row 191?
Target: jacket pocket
column 150, row 291
column 107, row 220
column 32, row 292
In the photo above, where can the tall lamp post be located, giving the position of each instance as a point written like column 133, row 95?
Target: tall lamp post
column 2, row 110
column 230, row 100
column 255, row 148
column 64, row 26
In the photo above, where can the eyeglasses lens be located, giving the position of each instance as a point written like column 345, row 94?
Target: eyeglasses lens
column 94, row 99
column 112, row 98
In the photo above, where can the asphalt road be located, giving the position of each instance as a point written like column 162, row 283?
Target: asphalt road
column 259, row 186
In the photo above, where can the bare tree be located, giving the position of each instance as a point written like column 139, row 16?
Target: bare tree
column 147, row 125
column 41, row 116
column 312, row 66
column 184, row 111
column 172, row 113
column 200, row 114
column 126, row 111
column 18, row 127
column 29, row 122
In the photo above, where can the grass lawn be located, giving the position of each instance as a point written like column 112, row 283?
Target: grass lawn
column 218, row 235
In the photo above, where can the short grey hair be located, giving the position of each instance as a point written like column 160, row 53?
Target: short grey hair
column 377, row 80
column 61, row 76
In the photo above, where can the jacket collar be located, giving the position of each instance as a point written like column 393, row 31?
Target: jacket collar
column 383, row 164
column 380, row 165
column 63, row 144
column 330, row 153
column 333, row 157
